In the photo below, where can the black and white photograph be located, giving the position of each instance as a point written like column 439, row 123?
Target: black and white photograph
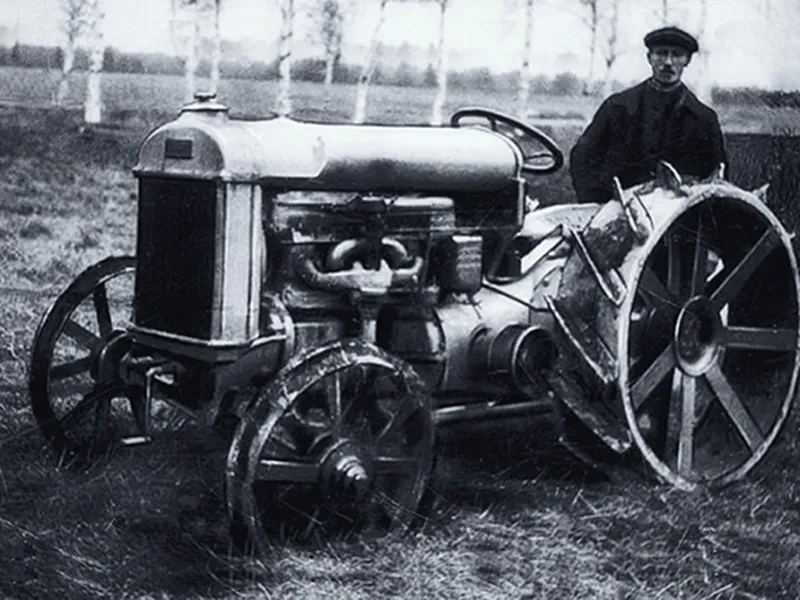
column 377, row 299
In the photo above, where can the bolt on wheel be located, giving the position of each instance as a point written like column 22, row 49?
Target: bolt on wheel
column 709, row 350
column 339, row 442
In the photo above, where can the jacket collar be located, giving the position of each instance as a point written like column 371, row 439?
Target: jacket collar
column 631, row 99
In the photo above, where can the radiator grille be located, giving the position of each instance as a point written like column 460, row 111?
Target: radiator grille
column 176, row 253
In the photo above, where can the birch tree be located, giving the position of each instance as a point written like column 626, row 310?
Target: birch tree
column 283, row 103
column 611, row 46
column 327, row 17
column 190, row 24
column 592, row 21
column 441, row 66
column 72, row 27
column 524, row 87
column 216, row 47
column 185, row 30
column 93, row 106
column 368, row 68
column 704, row 83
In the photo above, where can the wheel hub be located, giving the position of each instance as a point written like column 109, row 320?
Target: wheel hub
column 345, row 471
column 697, row 336
column 106, row 360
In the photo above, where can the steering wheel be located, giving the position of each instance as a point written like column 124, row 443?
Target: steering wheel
column 524, row 136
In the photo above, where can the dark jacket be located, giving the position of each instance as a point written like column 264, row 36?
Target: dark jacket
column 613, row 144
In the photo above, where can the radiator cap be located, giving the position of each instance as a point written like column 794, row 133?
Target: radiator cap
column 205, row 102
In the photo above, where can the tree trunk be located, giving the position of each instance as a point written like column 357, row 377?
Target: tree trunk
column 67, row 65
column 611, row 49
column 216, row 50
column 608, row 82
column 441, row 68
column 330, row 63
column 705, row 85
column 362, row 89
column 93, row 107
column 524, row 89
column 190, row 66
column 331, row 33
column 588, row 87
column 284, row 99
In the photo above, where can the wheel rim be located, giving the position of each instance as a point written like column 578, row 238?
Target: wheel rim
column 339, row 443
column 709, row 358
column 73, row 382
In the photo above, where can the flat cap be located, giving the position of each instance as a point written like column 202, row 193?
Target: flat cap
column 671, row 36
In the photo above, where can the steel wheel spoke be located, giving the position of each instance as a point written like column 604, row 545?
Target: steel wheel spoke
column 702, row 403
column 70, row 369
column 395, row 464
column 101, row 415
column 686, row 440
column 398, row 419
column 761, row 338
column 82, row 408
column 270, row 469
column 389, row 507
column 673, row 266
column 353, row 390
column 313, row 521
column 103, row 311
column 654, row 375
column 737, row 411
column 699, row 262
column 81, row 335
column 655, row 292
column 335, row 404
column 281, row 437
column 736, row 279
column 674, row 413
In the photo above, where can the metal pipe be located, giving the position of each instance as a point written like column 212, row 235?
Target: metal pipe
column 341, row 254
column 490, row 410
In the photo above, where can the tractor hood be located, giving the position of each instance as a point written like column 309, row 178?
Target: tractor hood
column 205, row 143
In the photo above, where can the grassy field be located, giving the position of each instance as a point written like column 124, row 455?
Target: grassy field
column 164, row 93
column 513, row 518
column 134, row 99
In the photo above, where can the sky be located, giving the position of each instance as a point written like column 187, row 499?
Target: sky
column 745, row 44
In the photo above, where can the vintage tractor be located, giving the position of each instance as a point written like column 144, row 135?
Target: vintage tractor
column 340, row 291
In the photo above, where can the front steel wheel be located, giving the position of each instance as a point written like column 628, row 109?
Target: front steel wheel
column 340, row 442
column 70, row 384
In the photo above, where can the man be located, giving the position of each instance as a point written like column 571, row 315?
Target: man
column 659, row 119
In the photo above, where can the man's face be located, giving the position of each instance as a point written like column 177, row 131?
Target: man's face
column 668, row 63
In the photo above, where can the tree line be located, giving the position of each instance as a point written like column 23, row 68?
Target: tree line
column 314, row 70
column 198, row 44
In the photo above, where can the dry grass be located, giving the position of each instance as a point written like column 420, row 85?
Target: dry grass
column 511, row 517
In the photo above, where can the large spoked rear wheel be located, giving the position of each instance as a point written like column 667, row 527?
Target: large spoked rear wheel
column 709, row 345
column 80, row 404
column 340, row 442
